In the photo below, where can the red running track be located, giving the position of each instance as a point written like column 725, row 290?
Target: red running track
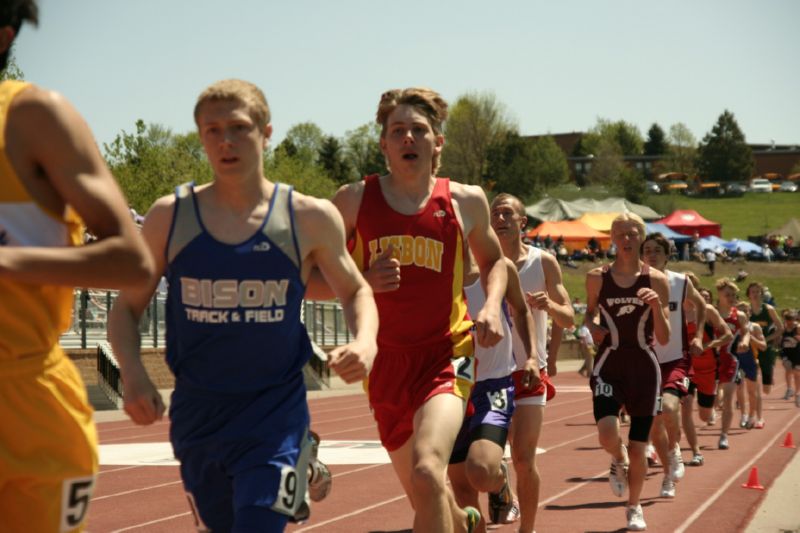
column 574, row 496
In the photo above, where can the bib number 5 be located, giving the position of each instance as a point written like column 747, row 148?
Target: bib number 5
column 75, row 495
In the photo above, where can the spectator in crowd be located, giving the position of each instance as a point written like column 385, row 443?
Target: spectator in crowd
column 586, row 347
column 711, row 259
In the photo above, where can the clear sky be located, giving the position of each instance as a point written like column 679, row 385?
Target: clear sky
column 556, row 65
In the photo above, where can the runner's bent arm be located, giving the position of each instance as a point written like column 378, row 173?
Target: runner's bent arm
column 555, row 300
column 474, row 209
column 56, row 144
column 658, row 305
column 322, row 235
column 774, row 338
column 696, row 300
column 594, row 281
column 523, row 320
column 142, row 401
column 715, row 319
column 757, row 338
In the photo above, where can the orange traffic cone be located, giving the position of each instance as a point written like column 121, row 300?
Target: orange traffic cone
column 788, row 442
column 752, row 481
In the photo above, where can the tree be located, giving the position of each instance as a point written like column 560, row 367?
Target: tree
column 681, row 150
column 149, row 164
column 655, row 144
column 12, row 70
column 363, row 151
column 476, row 121
column 510, row 168
column 723, row 154
column 304, row 140
column 607, row 164
column 525, row 167
column 626, row 136
column 332, row 159
column 308, row 178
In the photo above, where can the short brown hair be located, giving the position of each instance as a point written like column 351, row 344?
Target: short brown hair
column 755, row 284
column 426, row 101
column 519, row 207
column 659, row 239
column 238, row 90
column 14, row 12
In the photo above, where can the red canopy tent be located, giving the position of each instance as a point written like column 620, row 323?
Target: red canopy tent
column 576, row 234
column 687, row 221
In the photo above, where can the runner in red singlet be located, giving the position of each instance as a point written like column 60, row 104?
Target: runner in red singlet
column 407, row 232
column 704, row 369
column 728, row 363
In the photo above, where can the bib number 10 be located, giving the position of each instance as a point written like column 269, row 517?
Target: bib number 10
column 603, row 389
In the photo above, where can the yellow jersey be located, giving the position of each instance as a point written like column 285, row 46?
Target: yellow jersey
column 32, row 316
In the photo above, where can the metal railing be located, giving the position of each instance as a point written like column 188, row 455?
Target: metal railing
column 324, row 321
column 108, row 376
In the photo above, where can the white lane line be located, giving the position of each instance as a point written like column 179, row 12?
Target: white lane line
column 117, row 469
column 707, row 503
column 567, row 417
column 599, row 475
column 328, row 433
column 137, row 526
column 139, row 436
column 354, row 513
column 356, row 470
column 562, row 444
column 151, row 487
column 316, row 423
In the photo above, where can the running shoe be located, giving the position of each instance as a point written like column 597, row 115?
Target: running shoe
column 473, row 518
column 500, row 502
column 667, row 488
column 723, row 442
column 320, row 479
column 697, row 460
column 759, row 424
column 789, row 394
column 618, row 477
column 743, row 422
column 652, row 456
column 751, row 423
column 513, row 513
column 712, row 419
column 676, row 469
column 635, row 518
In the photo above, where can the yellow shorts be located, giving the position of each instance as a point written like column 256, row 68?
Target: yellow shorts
column 48, row 446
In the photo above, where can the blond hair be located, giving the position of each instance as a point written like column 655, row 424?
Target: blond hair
column 726, row 283
column 237, row 90
column 426, row 101
column 631, row 217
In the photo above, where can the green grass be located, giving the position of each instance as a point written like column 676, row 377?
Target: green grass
column 750, row 214
column 781, row 278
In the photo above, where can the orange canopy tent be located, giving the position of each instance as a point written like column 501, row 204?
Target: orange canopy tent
column 576, row 234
